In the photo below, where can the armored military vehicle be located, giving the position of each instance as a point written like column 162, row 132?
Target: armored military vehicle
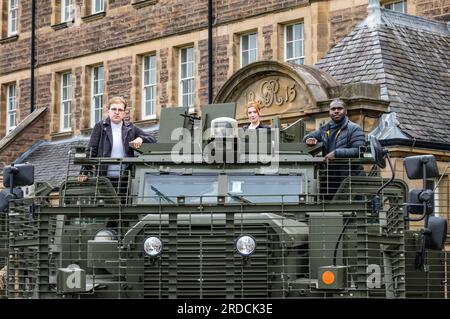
column 211, row 211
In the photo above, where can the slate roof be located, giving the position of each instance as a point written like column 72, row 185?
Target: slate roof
column 50, row 159
column 409, row 57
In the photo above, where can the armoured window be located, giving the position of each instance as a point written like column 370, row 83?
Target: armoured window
column 11, row 114
column 97, row 94
column 149, row 86
column 294, row 43
column 249, row 48
column 187, row 78
column 398, row 6
column 166, row 188
column 264, row 188
column 66, row 102
column 66, row 10
column 97, row 6
column 13, row 12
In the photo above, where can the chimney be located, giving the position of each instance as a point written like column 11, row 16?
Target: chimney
column 373, row 14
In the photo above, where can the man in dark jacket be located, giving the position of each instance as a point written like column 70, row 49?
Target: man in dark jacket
column 111, row 138
column 341, row 139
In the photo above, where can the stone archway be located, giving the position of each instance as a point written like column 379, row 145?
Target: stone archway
column 287, row 90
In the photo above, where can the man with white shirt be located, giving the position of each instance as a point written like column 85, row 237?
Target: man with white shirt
column 111, row 138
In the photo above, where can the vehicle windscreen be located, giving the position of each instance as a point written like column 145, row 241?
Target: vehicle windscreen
column 166, row 188
column 264, row 188
column 205, row 188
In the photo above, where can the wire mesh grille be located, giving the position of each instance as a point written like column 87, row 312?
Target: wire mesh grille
column 298, row 237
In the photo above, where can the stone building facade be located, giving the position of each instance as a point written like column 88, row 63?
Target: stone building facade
column 98, row 49
column 120, row 36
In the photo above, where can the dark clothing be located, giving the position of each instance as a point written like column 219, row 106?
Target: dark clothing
column 100, row 144
column 333, row 131
column 349, row 137
column 245, row 127
column 344, row 138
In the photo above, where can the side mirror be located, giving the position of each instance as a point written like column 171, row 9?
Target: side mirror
column 437, row 228
column 378, row 153
column 417, row 198
column 6, row 196
column 23, row 175
column 414, row 166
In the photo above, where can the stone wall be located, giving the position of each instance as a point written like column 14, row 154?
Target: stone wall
column 343, row 21
column 122, row 27
column 32, row 133
column 433, row 9
column 126, row 32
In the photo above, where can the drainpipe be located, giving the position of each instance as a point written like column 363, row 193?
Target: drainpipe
column 210, row 52
column 33, row 51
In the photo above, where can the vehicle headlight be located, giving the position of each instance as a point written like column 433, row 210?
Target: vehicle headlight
column 105, row 235
column 153, row 246
column 245, row 245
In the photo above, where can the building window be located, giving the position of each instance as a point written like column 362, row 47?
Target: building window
column 11, row 101
column 13, row 13
column 66, row 10
column 442, row 198
column 249, row 48
column 398, row 6
column 149, row 86
column 66, row 102
column 97, row 94
column 97, row 6
column 294, row 43
column 187, row 80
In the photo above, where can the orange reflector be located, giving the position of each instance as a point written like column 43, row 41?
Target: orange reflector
column 327, row 277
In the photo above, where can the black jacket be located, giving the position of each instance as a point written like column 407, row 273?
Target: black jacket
column 348, row 140
column 245, row 127
column 100, row 144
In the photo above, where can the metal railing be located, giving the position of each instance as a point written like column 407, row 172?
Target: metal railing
column 299, row 237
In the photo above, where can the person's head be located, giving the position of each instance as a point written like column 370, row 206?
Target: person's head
column 337, row 110
column 116, row 109
column 253, row 112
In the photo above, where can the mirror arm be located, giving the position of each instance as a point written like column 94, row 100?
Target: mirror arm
column 376, row 201
column 392, row 177
column 424, row 173
column 424, row 213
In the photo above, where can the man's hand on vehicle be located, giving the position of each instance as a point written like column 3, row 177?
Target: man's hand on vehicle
column 311, row 141
column 137, row 142
column 330, row 156
column 82, row 178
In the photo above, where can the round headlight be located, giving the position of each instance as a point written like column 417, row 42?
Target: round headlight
column 153, row 246
column 105, row 235
column 245, row 245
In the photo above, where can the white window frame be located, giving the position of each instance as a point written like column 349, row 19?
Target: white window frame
column 13, row 17
column 100, row 8
column 11, row 107
column 394, row 4
column 97, row 91
column 66, row 100
column 437, row 204
column 295, row 43
column 149, row 82
column 66, row 7
column 250, row 50
column 189, row 79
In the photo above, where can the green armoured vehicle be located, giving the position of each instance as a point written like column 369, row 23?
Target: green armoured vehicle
column 211, row 211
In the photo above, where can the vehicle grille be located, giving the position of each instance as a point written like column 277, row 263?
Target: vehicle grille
column 201, row 262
